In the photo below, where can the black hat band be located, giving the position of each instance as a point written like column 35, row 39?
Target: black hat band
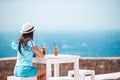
column 29, row 29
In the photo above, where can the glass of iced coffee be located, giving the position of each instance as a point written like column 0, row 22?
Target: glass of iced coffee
column 44, row 50
column 56, row 51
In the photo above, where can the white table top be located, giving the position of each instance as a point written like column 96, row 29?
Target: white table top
column 60, row 56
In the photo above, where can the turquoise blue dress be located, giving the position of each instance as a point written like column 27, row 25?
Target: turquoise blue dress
column 23, row 67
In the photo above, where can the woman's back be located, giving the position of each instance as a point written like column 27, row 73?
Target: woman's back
column 25, row 58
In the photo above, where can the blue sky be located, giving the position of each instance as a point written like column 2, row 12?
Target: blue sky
column 61, row 14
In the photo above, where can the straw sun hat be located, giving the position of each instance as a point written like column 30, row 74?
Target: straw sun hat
column 27, row 28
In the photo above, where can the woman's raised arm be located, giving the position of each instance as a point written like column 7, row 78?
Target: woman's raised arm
column 37, row 51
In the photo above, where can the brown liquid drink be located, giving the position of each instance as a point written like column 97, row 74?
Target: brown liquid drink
column 56, row 51
column 44, row 50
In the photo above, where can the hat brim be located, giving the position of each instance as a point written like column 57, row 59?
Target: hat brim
column 23, row 32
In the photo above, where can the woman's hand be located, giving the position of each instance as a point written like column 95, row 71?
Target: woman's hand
column 35, row 55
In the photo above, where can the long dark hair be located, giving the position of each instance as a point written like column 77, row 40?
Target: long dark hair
column 24, row 39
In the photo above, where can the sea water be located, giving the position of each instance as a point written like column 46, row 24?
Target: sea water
column 84, row 44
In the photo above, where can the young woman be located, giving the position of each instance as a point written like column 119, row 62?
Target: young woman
column 26, row 48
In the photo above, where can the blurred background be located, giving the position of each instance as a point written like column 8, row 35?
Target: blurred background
column 88, row 28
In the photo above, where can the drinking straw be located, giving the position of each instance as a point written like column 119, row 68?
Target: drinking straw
column 54, row 44
column 41, row 44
